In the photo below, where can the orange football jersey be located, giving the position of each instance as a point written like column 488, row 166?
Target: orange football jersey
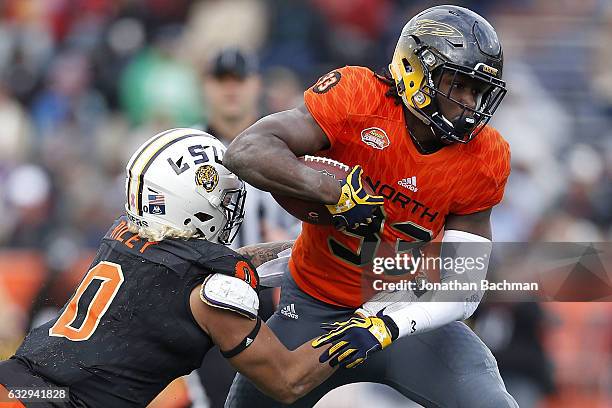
column 366, row 127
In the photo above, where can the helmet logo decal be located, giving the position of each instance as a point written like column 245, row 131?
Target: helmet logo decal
column 327, row 82
column 435, row 28
column 157, row 203
column 375, row 137
column 207, row 177
column 141, row 165
column 486, row 69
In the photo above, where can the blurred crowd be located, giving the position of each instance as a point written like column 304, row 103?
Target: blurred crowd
column 84, row 82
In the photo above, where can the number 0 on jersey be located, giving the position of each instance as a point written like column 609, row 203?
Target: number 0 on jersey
column 109, row 277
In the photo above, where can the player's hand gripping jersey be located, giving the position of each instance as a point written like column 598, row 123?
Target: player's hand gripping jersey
column 128, row 329
column 366, row 127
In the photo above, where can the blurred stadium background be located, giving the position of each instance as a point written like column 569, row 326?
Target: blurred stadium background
column 83, row 82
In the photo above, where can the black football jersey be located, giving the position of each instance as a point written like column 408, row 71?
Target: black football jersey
column 128, row 330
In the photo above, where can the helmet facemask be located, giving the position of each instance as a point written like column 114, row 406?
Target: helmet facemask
column 232, row 205
column 466, row 125
column 422, row 100
column 449, row 42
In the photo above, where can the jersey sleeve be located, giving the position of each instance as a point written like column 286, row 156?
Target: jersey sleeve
column 329, row 101
column 488, row 179
column 232, row 264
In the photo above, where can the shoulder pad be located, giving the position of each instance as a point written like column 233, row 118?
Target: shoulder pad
column 230, row 293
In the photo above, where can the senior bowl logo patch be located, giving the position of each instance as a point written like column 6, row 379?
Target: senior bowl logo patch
column 375, row 137
column 207, row 177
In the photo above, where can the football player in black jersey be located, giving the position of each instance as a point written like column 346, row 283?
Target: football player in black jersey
column 161, row 291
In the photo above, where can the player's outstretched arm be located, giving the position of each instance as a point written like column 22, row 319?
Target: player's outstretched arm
column 383, row 320
column 261, row 253
column 282, row 374
column 265, row 155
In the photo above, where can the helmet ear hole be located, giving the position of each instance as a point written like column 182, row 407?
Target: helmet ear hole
column 187, row 221
column 407, row 65
column 203, row 217
column 213, row 228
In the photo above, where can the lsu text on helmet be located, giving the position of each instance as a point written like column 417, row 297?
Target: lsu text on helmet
column 455, row 41
column 177, row 186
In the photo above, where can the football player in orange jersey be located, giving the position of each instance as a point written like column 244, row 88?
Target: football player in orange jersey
column 419, row 132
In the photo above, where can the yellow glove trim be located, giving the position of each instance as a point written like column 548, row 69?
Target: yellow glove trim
column 380, row 331
column 345, row 202
column 374, row 325
column 346, row 354
column 355, row 363
column 334, row 348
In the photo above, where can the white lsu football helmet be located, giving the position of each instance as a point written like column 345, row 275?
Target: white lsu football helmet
column 177, row 180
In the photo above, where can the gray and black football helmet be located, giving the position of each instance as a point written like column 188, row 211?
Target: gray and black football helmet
column 458, row 41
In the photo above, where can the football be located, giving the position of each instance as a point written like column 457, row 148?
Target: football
column 310, row 211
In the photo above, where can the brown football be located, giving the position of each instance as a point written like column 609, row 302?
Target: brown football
column 310, row 211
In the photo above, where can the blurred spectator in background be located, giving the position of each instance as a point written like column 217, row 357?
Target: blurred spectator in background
column 11, row 317
column 157, row 87
column 514, row 333
column 28, row 195
column 356, row 27
column 579, row 214
column 68, row 104
column 580, row 344
column 232, row 89
column 602, row 61
column 298, row 39
column 214, row 24
column 283, row 91
column 26, row 44
column 536, row 180
column 16, row 129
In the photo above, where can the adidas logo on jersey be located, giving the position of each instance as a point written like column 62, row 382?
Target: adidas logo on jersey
column 409, row 183
column 289, row 311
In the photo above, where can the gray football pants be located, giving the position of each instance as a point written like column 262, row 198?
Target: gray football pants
column 447, row 367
